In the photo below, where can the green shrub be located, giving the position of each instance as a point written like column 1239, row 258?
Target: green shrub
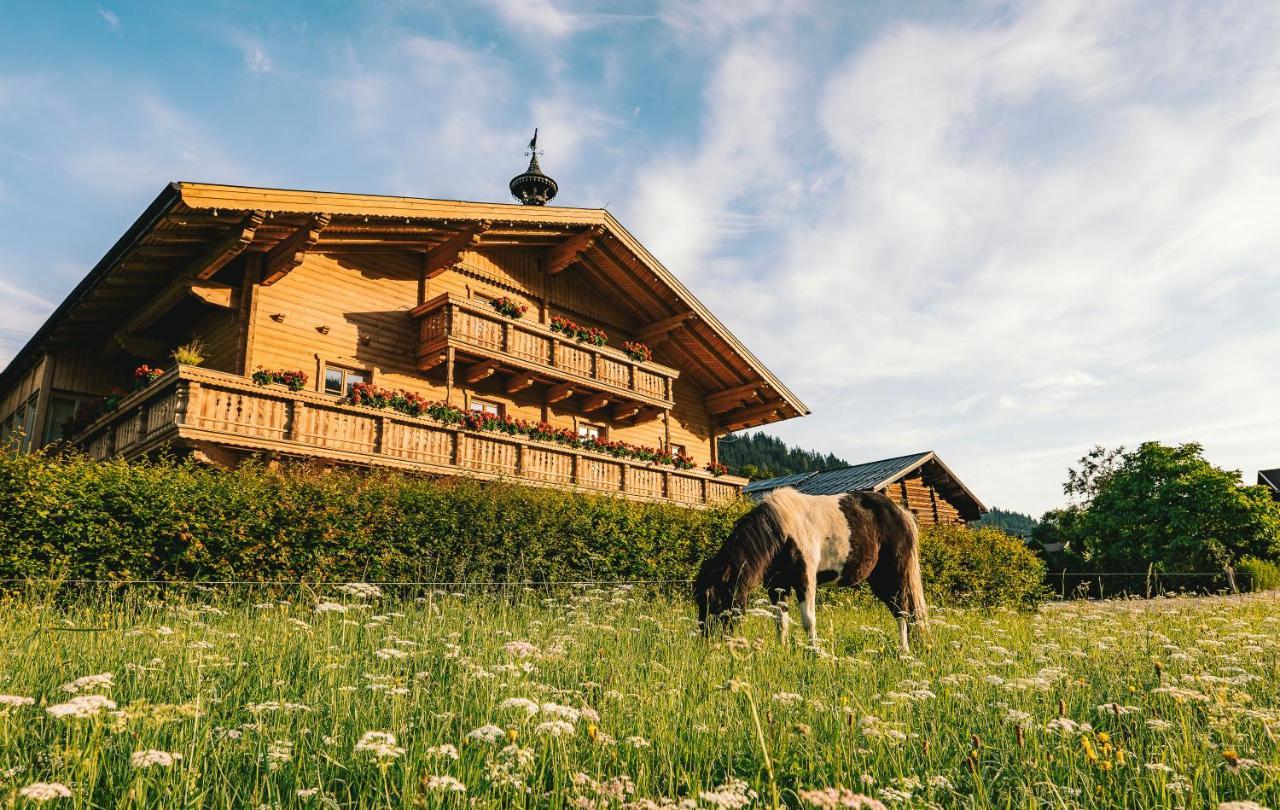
column 982, row 567
column 112, row 520
column 1256, row 574
column 85, row 519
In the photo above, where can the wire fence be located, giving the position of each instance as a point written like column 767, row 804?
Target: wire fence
column 1065, row 585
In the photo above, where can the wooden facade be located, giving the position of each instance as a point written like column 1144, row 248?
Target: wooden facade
column 920, row 482
column 395, row 292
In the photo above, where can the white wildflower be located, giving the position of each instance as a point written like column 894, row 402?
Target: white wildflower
column 45, row 791
column 445, row 751
column 382, row 744
column 153, row 758
column 525, row 705
column 100, row 681
column 1067, row 727
column 331, row 607
column 364, row 590
column 1241, row 805
column 486, row 733
column 278, row 753
column 734, row 793
column 391, row 652
column 788, row 698
column 833, row 797
column 561, row 712
column 446, row 783
column 520, row 649
column 555, row 728
column 15, row 700
column 82, row 706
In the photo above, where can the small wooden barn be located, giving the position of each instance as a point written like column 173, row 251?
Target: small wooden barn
column 920, row 482
column 1271, row 480
column 522, row 341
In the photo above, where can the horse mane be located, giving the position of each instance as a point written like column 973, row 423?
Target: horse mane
column 753, row 544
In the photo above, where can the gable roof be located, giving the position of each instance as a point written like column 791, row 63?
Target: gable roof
column 189, row 220
column 874, row 476
column 1270, row 478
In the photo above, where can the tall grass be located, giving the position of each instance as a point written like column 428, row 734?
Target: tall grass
column 266, row 697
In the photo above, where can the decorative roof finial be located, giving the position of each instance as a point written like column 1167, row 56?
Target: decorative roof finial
column 533, row 187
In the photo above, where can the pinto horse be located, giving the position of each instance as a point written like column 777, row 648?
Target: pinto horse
column 792, row 542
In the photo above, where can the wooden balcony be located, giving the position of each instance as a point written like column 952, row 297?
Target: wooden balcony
column 532, row 353
column 195, row 407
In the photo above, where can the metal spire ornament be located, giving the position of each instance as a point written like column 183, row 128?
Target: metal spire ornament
column 533, row 187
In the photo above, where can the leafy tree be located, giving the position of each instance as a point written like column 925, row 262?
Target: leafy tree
column 1166, row 506
column 1015, row 523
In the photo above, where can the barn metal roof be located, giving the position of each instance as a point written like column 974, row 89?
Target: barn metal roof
column 874, row 476
column 870, row 475
column 1269, row 478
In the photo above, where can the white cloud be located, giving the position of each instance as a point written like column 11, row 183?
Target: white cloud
column 542, row 18
column 112, row 19
column 256, row 58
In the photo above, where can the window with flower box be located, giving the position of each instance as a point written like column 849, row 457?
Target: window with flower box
column 339, row 380
column 486, row 407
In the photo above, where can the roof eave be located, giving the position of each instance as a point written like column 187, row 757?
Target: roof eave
column 27, row 355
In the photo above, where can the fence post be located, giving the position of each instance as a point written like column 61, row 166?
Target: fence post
column 1231, row 579
column 1150, row 567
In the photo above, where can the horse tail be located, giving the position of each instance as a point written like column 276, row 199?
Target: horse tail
column 912, row 583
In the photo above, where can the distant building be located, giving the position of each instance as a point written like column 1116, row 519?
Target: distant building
column 1271, row 480
column 920, row 482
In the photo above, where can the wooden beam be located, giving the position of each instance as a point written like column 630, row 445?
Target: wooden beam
column 448, row 254
column 595, row 403
column 479, row 371
column 728, row 400
column 227, row 248
column 657, row 332
column 647, row 414
column 212, row 292
column 430, row 361
column 141, row 346
column 287, row 255
column 559, row 392
column 567, row 252
column 742, row 418
column 519, row 382
column 625, row 411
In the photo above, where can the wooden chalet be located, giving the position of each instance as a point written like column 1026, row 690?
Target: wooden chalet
column 406, row 295
column 920, row 482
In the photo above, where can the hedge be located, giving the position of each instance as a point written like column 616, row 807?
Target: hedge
column 982, row 567
column 81, row 519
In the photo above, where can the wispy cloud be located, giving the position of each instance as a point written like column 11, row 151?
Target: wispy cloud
column 256, row 58
column 112, row 19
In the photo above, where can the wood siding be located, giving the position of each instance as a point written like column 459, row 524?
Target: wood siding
column 930, row 506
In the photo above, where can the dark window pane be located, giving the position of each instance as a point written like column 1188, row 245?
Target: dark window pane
column 333, row 380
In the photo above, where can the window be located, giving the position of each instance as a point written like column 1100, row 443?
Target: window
column 586, row 430
column 678, row 450
column 486, row 407
column 61, row 408
column 338, row 380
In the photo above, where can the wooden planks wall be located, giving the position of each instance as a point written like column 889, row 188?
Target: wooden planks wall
column 364, row 299
column 928, row 504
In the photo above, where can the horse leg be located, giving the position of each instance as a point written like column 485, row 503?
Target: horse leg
column 778, row 597
column 807, row 595
column 888, row 590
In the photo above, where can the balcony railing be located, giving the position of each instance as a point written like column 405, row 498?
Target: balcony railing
column 473, row 328
column 189, row 405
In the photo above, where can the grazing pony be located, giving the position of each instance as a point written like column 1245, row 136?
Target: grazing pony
column 792, row 542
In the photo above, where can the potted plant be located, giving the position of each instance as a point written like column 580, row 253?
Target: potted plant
column 637, row 351
column 506, row 306
column 144, row 375
column 293, row 380
column 190, row 353
column 717, row 469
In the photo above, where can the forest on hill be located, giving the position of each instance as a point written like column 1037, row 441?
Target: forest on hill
column 759, row 455
column 1015, row 523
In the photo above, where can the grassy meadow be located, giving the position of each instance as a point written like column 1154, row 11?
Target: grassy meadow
column 587, row 697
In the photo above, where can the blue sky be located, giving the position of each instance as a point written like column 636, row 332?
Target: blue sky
column 1002, row 231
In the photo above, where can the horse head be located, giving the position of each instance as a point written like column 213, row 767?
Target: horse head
column 715, row 593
